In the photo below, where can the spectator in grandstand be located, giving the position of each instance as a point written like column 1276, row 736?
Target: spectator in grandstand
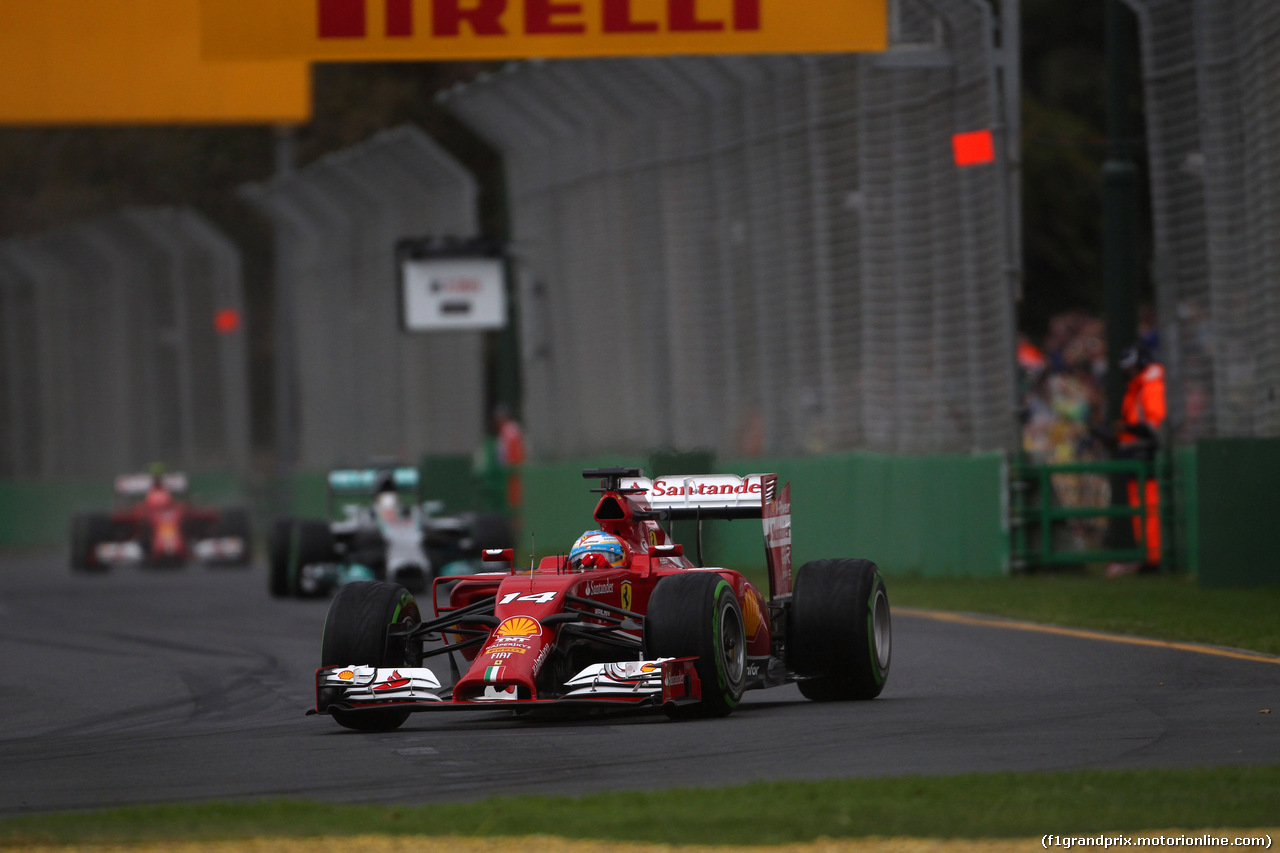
column 1062, row 409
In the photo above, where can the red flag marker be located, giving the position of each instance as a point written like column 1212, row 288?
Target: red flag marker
column 973, row 148
column 226, row 321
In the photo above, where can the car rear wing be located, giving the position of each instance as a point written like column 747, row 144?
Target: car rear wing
column 365, row 481
column 699, row 496
column 137, row 485
column 727, row 496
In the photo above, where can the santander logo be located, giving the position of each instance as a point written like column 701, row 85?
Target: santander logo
column 602, row 588
column 664, row 488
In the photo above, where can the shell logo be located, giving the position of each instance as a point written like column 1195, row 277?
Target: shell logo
column 518, row 626
column 346, row 675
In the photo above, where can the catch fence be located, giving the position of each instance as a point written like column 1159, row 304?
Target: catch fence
column 763, row 254
column 350, row 384
column 1211, row 74
column 122, row 345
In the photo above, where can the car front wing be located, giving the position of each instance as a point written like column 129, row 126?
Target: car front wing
column 624, row 683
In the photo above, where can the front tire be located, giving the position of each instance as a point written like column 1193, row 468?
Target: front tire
column 295, row 544
column 283, row 581
column 698, row 615
column 87, row 532
column 840, row 630
column 355, row 634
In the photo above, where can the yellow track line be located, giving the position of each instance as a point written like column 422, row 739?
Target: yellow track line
column 1013, row 625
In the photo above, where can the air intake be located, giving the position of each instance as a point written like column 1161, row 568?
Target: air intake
column 610, row 509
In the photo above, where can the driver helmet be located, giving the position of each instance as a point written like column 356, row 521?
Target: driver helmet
column 158, row 497
column 596, row 549
column 387, row 506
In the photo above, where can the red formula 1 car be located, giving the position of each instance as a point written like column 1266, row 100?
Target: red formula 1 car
column 156, row 527
column 625, row 619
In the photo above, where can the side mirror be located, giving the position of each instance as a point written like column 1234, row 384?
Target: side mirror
column 498, row 555
column 676, row 550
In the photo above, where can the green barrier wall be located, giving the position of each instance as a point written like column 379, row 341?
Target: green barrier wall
column 452, row 480
column 934, row 516
column 39, row 514
column 1235, row 512
column 1186, row 510
column 938, row 516
column 558, row 504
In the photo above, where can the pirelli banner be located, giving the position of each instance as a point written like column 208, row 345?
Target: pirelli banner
column 133, row 61
column 406, row 30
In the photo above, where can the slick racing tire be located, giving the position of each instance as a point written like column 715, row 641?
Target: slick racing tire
column 698, row 615
column 282, row 582
column 87, row 532
column 841, row 634
column 295, row 544
column 355, row 634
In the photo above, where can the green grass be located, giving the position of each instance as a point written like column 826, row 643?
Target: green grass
column 1007, row 805
column 1160, row 606
column 1166, row 607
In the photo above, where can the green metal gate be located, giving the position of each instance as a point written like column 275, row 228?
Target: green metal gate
column 1035, row 514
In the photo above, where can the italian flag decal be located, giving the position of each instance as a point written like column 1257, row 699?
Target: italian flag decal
column 493, row 673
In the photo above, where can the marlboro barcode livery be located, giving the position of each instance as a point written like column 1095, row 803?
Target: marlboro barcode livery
column 625, row 618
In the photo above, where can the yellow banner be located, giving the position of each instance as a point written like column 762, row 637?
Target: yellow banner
column 135, row 62
column 380, row 30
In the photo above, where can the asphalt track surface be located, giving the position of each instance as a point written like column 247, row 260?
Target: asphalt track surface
column 140, row 686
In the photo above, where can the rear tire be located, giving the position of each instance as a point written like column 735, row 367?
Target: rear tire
column 88, row 530
column 840, row 630
column 355, row 634
column 698, row 615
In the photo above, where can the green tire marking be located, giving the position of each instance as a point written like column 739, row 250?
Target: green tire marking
column 721, row 675
column 878, row 674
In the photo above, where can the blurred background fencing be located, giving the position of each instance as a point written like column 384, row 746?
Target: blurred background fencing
column 1212, row 74
column 121, row 345
column 350, row 384
column 750, row 258
column 762, row 255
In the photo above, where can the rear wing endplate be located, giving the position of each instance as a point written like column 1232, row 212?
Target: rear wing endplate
column 777, row 538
